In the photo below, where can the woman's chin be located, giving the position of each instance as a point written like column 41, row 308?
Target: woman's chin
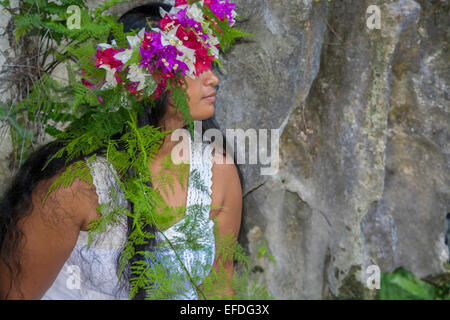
column 206, row 113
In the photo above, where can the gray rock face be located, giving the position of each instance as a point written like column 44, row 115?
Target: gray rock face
column 365, row 156
column 364, row 148
column 5, row 95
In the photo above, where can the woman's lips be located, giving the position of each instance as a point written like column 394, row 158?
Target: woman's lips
column 211, row 98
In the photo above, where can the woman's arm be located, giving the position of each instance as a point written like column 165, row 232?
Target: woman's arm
column 50, row 232
column 228, row 219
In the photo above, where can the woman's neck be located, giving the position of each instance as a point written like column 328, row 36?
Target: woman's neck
column 169, row 123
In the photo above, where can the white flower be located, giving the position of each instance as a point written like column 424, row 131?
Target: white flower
column 105, row 46
column 134, row 42
column 214, row 51
column 123, row 56
column 136, row 74
column 195, row 12
column 111, row 81
column 212, row 40
column 169, row 38
column 233, row 15
column 190, row 64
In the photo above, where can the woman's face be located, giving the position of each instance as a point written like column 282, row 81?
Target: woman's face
column 201, row 94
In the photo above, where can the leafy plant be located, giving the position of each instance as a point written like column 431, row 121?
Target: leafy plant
column 404, row 285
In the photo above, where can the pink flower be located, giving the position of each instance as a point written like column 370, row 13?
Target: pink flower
column 167, row 20
column 106, row 57
column 180, row 2
column 189, row 39
column 203, row 61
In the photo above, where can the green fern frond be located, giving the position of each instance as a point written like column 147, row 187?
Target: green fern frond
column 77, row 169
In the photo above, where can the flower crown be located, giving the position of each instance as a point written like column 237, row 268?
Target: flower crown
column 186, row 44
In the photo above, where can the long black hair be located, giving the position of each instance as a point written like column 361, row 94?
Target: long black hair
column 18, row 198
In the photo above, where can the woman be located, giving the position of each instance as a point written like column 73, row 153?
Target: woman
column 38, row 241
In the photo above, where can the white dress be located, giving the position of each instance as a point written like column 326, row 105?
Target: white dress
column 91, row 273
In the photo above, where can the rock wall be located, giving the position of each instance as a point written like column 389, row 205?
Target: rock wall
column 364, row 159
column 364, row 148
column 5, row 95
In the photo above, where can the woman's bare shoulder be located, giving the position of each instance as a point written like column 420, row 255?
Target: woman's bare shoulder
column 50, row 231
column 78, row 201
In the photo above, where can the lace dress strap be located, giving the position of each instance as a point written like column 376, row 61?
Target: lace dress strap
column 201, row 188
column 110, row 195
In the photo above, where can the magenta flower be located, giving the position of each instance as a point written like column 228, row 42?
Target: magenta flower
column 185, row 21
column 155, row 56
column 222, row 9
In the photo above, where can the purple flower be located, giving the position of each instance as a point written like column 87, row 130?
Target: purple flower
column 185, row 21
column 204, row 36
column 164, row 58
column 223, row 9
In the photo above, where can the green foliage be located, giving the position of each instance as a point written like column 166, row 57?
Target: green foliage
column 77, row 169
column 262, row 252
column 35, row 17
column 404, row 285
column 246, row 289
column 21, row 133
column 165, row 178
column 48, row 100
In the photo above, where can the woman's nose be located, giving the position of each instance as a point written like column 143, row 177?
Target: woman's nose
column 211, row 79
